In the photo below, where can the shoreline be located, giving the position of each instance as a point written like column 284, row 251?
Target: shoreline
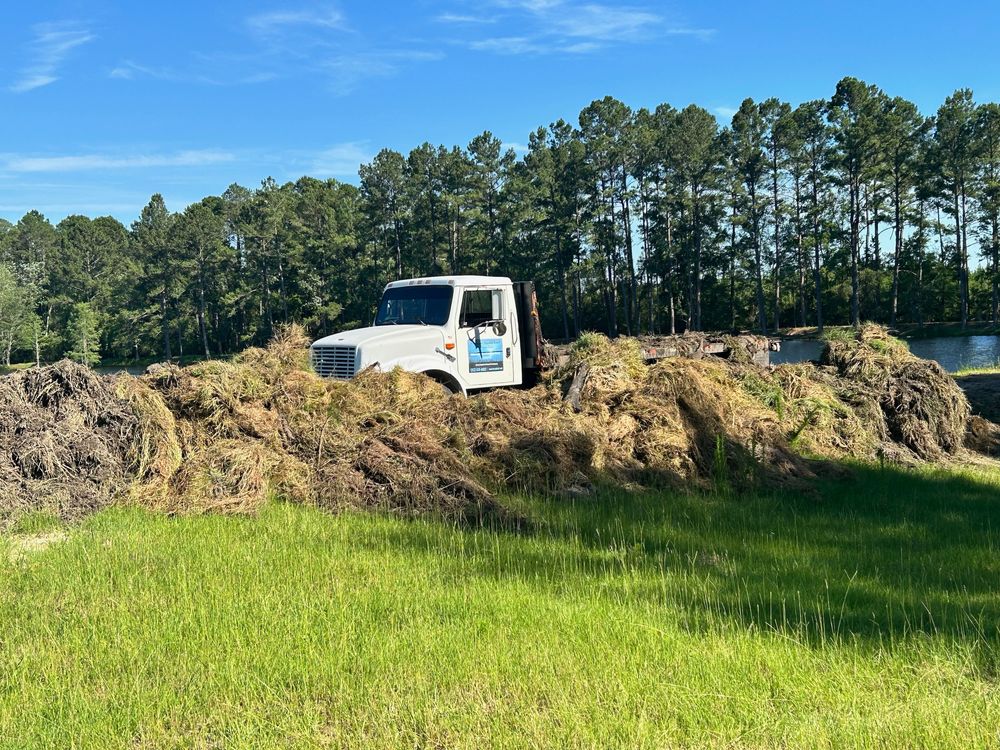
column 907, row 332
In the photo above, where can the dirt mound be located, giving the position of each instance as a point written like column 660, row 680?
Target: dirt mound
column 66, row 441
column 227, row 436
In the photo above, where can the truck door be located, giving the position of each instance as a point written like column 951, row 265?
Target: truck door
column 484, row 342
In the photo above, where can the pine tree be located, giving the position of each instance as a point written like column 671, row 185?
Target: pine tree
column 853, row 112
column 83, row 334
column 774, row 115
column 162, row 281
column 696, row 158
column 750, row 162
column 954, row 156
column 988, row 194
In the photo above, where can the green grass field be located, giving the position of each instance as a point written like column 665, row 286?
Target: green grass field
column 991, row 370
column 865, row 615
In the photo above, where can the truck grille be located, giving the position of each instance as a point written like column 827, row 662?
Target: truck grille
column 335, row 361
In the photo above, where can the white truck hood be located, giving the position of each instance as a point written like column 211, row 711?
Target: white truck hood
column 413, row 347
column 382, row 334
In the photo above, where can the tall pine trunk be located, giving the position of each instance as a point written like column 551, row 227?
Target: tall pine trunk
column 560, row 262
column 696, row 296
column 995, row 248
column 670, row 274
column 963, row 290
column 399, row 248
column 631, row 308
column 800, row 251
column 732, row 259
column 165, row 324
column 855, row 200
column 817, row 254
column 943, row 261
column 777, row 241
column 202, row 326
column 921, row 244
column 897, row 249
column 611, row 252
column 758, row 263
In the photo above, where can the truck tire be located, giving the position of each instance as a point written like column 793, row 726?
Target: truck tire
column 448, row 384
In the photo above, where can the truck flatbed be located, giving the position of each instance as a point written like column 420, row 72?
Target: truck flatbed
column 691, row 345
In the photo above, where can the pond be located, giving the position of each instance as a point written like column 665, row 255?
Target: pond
column 952, row 352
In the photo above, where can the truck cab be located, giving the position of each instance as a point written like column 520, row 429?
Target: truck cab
column 467, row 332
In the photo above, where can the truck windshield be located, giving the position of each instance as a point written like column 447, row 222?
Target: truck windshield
column 415, row 305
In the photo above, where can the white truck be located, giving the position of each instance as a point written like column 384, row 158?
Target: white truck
column 466, row 332
column 470, row 333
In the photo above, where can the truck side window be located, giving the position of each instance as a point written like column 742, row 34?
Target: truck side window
column 480, row 306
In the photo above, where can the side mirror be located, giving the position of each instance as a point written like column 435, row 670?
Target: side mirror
column 499, row 327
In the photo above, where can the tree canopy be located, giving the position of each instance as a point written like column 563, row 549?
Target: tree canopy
column 857, row 207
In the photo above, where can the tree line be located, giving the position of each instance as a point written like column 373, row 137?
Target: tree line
column 857, row 207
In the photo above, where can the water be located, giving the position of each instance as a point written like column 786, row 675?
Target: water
column 953, row 353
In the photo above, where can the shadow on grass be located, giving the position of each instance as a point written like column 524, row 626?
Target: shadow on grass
column 983, row 392
column 879, row 555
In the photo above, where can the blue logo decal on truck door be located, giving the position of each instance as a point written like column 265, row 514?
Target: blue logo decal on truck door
column 486, row 355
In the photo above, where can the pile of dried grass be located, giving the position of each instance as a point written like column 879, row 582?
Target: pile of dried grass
column 922, row 408
column 869, row 398
column 66, row 441
column 226, row 436
column 682, row 420
column 261, row 425
column 983, row 437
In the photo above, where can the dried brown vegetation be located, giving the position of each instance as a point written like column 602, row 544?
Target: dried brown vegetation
column 65, row 440
column 226, row 436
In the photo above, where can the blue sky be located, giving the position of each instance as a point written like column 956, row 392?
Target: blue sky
column 102, row 104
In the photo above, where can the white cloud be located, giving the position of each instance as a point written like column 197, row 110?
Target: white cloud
column 580, row 48
column 341, row 160
column 573, row 27
column 296, row 42
column 288, row 44
column 605, row 22
column 460, row 18
column 508, row 45
column 725, row 112
column 347, row 71
column 51, row 45
column 74, row 163
column 127, row 70
column 535, row 6
column 278, row 20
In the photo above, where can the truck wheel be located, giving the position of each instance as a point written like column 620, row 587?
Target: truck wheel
column 448, row 386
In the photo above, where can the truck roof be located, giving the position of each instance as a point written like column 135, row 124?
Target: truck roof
column 452, row 280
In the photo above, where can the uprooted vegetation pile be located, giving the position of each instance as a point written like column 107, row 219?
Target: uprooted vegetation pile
column 226, row 435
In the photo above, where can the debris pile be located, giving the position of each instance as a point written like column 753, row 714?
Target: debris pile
column 65, row 441
column 912, row 401
column 224, row 436
column 869, row 398
column 262, row 425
